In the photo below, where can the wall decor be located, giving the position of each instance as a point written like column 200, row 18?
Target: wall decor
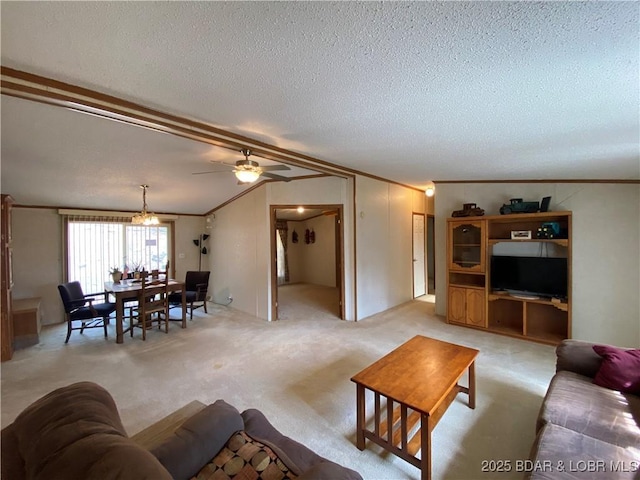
column 198, row 242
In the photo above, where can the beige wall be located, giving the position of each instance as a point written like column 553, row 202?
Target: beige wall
column 37, row 259
column 315, row 262
column 240, row 260
column 384, row 236
column 38, row 255
column 606, row 249
column 240, row 253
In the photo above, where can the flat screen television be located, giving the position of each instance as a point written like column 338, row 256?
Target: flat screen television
column 534, row 276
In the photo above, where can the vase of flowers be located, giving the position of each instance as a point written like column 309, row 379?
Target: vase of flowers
column 116, row 274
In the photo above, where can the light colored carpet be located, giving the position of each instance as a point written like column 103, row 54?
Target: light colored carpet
column 297, row 372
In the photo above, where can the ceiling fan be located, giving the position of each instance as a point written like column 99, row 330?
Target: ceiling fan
column 248, row 171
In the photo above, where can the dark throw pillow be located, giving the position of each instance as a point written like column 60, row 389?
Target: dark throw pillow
column 620, row 369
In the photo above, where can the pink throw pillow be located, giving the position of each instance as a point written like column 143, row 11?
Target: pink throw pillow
column 619, row 370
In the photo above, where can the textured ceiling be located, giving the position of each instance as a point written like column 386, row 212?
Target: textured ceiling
column 409, row 91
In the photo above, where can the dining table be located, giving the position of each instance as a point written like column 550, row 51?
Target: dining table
column 129, row 289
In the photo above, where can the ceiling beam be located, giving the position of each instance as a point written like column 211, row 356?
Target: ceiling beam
column 28, row 86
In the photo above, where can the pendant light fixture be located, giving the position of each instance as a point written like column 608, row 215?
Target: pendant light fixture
column 144, row 217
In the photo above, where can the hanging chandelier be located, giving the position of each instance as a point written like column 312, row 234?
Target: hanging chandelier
column 144, row 217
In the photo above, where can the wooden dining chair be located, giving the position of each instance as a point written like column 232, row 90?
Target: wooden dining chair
column 153, row 306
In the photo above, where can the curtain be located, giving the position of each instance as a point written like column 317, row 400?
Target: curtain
column 282, row 261
column 94, row 244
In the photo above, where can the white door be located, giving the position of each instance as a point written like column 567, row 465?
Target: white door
column 419, row 284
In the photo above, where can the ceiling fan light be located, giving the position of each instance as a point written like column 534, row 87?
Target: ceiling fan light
column 247, row 176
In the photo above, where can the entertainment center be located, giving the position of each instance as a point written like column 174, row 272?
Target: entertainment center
column 511, row 274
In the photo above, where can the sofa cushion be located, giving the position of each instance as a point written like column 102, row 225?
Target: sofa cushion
column 574, row 402
column 74, row 432
column 559, row 453
column 620, row 369
column 198, row 439
column 246, row 458
column 296, row 456
column 577, row 356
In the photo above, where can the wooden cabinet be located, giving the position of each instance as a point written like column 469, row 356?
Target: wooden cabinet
column 471, row 242
column 6, row 321
column 26, row 322
column 466, row 306
column 467, row 245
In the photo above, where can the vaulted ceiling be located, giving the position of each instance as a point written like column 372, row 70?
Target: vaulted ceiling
column 412, row 92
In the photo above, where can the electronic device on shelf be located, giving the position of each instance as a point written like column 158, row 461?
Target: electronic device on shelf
column 549, row 230
column 533, row 276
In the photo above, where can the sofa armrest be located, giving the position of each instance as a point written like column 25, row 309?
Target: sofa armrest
column 156, row 434
column 577, row 356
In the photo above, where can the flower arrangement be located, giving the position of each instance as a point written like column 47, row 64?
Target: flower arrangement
column 116, row 274
column 136, row 267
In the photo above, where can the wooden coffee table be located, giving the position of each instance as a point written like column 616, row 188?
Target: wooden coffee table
column 419, row 380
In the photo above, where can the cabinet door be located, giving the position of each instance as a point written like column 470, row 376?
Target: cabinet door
column 466, row 246
column 456, row 307
column 475, row 307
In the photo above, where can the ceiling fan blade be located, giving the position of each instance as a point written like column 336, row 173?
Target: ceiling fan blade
column 268, row 168
column 273, row 176
column 210, row 171
column 224, row 164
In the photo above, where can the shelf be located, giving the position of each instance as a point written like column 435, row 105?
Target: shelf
column 463, row 285
column 540, row 301
column 542, row 320
column 510, row 330
column 563, row 242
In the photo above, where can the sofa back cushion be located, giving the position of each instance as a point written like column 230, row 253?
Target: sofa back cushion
column 198, row 440
column 74, row 432
column 577, row 356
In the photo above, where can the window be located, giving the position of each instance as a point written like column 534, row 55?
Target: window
column 94, row 247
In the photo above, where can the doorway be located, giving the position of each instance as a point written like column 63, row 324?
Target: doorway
column 431, row 255
column 419, row 244
column 307, row 259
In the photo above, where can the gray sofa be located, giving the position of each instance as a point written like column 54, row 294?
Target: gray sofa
column 75, row 432
column 585, row 431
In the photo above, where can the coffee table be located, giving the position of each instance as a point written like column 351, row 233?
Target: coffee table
column 419, row 380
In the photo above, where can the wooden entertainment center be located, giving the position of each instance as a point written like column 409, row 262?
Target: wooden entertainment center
column 471, row 242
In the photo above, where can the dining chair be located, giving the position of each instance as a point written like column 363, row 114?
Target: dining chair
column 153, row 306
column 196, row 286
column 83, row 308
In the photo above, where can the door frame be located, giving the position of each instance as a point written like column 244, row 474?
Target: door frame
column 424, row 260
column 431, row 252
column 339, row 253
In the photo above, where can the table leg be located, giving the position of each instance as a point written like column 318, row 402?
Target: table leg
column 472, row 385
column 425, row 447
column 360, row 417
column 119, row 316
